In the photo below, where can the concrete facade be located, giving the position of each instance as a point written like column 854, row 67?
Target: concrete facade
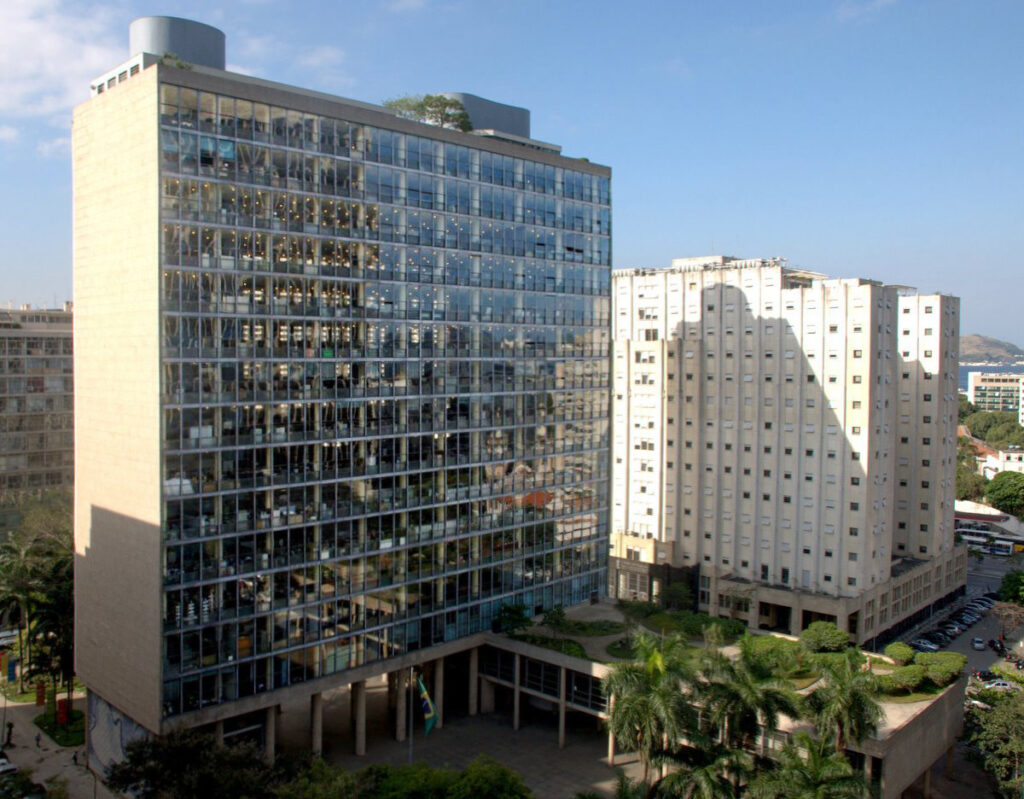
column 790, row 435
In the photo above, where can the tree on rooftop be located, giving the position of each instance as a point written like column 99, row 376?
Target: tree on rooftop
column 433, row 109
column 809, row 768
column 648, row 698
column 742, row 695
column 824, row 636
column 845, row 703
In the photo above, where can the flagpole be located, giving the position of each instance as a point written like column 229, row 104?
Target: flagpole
column 412, row 715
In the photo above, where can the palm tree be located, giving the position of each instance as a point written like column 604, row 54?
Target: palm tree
column 846, row 704
column 709, row 771
column 19, row 582
column 742, row 694
column 648, row 707
column 809, row 768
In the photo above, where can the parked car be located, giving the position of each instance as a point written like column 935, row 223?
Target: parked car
column 952, row 630
column 978, row 608
column 923, row 645
column 959, row 626
column 986, row 601
column 6, row 766
column 984, row 675
column 978, row 643
column 936, row 638
column 997, row 646
column 1000, row 685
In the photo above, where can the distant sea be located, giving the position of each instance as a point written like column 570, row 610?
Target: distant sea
column 1016, row 369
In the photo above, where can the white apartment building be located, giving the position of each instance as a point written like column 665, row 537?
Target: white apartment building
column 790, row 438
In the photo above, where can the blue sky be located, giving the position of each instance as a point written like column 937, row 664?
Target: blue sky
column 873, row 138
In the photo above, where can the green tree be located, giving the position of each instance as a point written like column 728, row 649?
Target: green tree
column 434, row 109
column 184, row 764
column 556, row 621
column 1005, row 491
column 781, row 656
column 513, row 618
column 899, row 653
column 1011, row 589
column 965, row 408
column 742, row 695
column 37, row 553
column 969, row 484
column 809, row 768
column 845, row 704
column 824, row 636
column 649, row 709
column 941, row 667
column 708, row 771
column 677, row 596
column 903, row 679
column 999, row 734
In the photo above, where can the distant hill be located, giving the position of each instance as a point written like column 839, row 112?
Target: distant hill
column 982, row 349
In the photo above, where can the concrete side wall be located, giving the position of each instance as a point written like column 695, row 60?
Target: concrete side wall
column 117, row 412
column 919, row 743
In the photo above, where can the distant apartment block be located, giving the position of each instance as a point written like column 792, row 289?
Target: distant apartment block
column 36, row 400
column 996, row 392
column 787, row 438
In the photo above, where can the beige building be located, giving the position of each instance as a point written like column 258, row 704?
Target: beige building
column 787, row 437
column 996, row 392
column 36, row 400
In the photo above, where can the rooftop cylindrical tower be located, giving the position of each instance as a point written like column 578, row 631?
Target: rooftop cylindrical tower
column 191, row 41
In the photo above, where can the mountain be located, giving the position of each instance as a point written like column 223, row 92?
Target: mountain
column 982, row 349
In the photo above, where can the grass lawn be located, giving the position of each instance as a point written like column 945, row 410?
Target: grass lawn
column 563, row 645
column 801, row 681
column 620, row 649
column 64, row 735
column 573, row 627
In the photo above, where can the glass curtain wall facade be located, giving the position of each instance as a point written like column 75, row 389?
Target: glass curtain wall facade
column 385, row 387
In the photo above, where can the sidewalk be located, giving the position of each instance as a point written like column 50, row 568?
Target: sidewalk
column 48, row 761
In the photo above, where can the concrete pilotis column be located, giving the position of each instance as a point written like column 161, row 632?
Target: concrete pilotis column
column 561, row 708
column 486, row 696
column 218, row 732
column 316, row 723
column 439, row 691
column 401, row 703
column 515, row 696
column 270, row 734
column 474, row 681
column 611, row 737
column 359, row 702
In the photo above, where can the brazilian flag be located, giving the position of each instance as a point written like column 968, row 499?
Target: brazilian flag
column 429, row 711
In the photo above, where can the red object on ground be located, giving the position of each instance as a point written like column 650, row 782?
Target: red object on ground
column 40, row 694
column 62, row 711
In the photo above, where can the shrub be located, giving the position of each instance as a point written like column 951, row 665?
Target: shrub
column 824, row 636
column 899, row 653
column 637, row 610
column 780, row 655
column 905, row 678
column 941, row 667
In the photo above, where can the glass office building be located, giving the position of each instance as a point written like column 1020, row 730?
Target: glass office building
column 381, row 396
